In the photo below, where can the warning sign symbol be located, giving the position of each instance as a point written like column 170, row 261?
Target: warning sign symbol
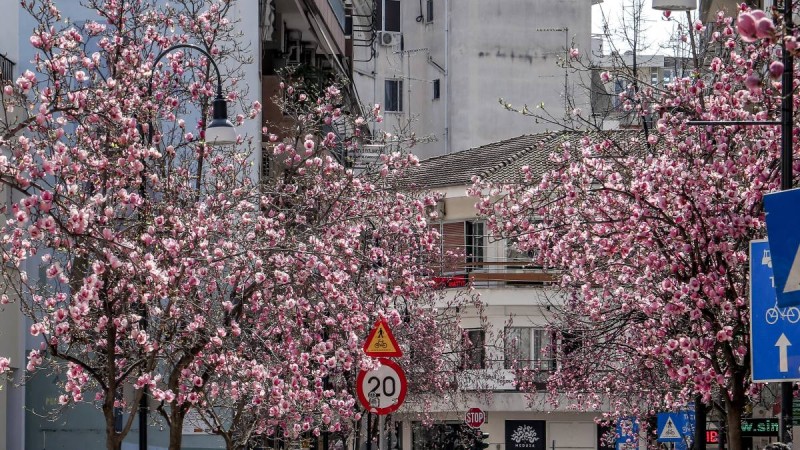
column 670, row 431
column 381, row 342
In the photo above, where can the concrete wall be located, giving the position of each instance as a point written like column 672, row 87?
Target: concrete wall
column 245, row 15
column 490, row 50
column 11, row 322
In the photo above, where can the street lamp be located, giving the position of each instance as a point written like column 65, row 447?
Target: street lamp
column 219, row 132
column 787, row 95
column 682, row 5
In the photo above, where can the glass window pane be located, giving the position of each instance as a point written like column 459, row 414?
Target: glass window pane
column 474, row 354
column 518, row 347
column 392, row 98
column 392, row 15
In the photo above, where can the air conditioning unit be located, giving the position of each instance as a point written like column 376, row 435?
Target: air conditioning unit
column 389, row 38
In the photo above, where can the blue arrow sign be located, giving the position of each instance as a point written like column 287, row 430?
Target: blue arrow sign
column 774, row 330
column 627, row 433
column 783, row 230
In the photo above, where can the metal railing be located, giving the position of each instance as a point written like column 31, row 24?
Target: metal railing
column 6, row 69
column 494, row 274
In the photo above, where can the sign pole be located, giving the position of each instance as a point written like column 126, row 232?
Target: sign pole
column 787, row 103
column 382, row 432
column 700, row 423
column 369, row 430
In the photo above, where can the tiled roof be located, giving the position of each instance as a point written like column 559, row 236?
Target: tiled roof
column 502, row 161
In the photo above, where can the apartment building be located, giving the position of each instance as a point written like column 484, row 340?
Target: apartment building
column 517, row 296
column 610, row 110
column 439, row 67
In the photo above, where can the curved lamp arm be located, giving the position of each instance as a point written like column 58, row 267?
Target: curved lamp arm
column 220, row 131
column 189, row 46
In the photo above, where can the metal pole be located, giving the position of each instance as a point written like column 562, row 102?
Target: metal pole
column 369, row 431
column 382, row 432
column 787, row 94
column 700, row 423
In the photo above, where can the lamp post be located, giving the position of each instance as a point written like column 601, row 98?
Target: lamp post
column 219, row 132
column 787, row 93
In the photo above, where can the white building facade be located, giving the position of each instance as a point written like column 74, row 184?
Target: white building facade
column 11, row 324
column 439, row 67
column 511, row 332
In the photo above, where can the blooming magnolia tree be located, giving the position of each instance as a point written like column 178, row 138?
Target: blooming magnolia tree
column 651, row 234
column 145, row 258
column 139, row 242
column 344, row 249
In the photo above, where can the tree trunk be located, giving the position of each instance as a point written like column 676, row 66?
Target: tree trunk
column 734, row 404
column 177, row 415
column 700, row 415
column 113, row 439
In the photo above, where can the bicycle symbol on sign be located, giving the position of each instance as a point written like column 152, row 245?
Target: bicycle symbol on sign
column 766, row 259
column 792, row 314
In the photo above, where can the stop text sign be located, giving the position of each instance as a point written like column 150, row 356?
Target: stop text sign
column 475, row 417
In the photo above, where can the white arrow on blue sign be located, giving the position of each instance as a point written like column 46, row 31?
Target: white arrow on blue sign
column 783, row 222
column 627, row 433
column 774, row 330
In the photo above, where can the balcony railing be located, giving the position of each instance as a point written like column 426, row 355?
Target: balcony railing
column 494, row 274
column 6, row 69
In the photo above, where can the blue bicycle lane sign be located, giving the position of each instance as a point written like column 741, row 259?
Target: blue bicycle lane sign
column 774, row 331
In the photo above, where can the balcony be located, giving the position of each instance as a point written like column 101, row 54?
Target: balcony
column 6, row 69
column 489, row 274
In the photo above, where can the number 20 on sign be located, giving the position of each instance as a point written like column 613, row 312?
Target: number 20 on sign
column 382, row 390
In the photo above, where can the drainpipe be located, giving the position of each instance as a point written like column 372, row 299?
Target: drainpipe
column 447, row 76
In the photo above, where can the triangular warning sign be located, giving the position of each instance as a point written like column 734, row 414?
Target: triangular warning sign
column 381, row 342
column 670, row 431
column 793, row 280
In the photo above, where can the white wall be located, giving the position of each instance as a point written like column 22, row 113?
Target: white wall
column 11, row 322
column 245, row 13
column 492, row 50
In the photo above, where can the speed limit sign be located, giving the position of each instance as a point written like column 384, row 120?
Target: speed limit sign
column 382, row 390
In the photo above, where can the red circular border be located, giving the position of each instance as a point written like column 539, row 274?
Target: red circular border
column 476, row 410
column 403, row 388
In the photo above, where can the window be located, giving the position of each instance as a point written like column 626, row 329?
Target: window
column 474, row 350
column 620, row 86
column 436, row 89
column 474, row 241
column 6, row 69
column 442, row 436
column 393, row 101
column 667, row 76
column 388, row 15
column 430, row 11
column 518, row 258
column 654, row 77
column 529, row 347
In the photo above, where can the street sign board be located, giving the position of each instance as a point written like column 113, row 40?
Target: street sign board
column 381, row 341
column 668, row 430
column 774, row 333
column 474, row 417
column 783, row 223
column 628, row 433
column 769, row 426
column 382, row 390
column 682, row 421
